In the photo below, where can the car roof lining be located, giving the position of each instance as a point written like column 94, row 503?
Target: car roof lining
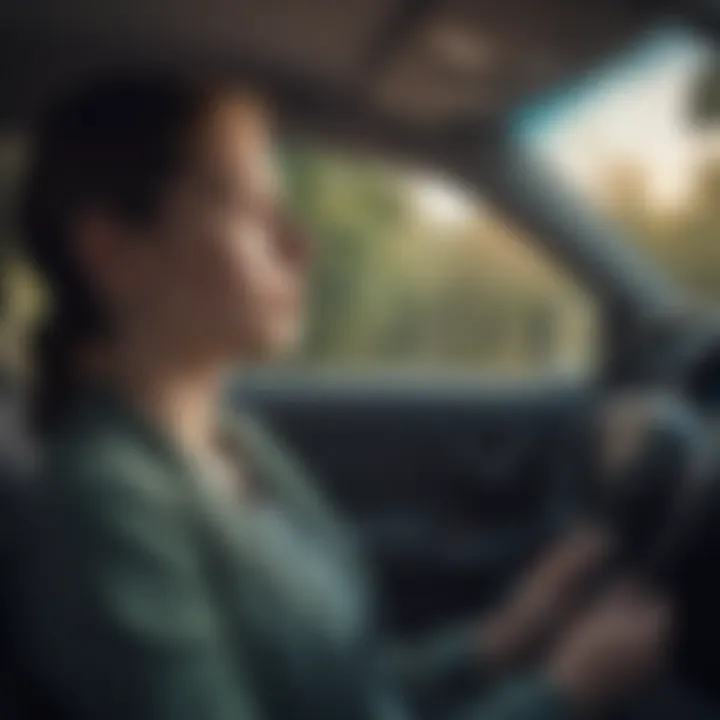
column 419, row 62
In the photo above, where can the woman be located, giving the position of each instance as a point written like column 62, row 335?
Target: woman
column 183, row 567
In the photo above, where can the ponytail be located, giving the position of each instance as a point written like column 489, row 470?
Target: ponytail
column 54, row 371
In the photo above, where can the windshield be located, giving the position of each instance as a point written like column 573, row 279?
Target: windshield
column 639, row 137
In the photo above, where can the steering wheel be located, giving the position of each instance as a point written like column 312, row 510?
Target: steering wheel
column 651, row 464
column 655, row 474
column 655, row 482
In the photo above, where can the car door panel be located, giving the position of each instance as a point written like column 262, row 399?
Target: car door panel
column 450, row 486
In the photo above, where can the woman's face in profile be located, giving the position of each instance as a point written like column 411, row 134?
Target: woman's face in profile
column 235, row 271
column 220, row 273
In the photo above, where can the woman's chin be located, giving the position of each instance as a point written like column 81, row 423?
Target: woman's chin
column 286, row 341
column 277, row 343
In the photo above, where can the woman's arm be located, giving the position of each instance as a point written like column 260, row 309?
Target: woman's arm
column 457, row 661
column 613, row 647
column 531, row 698
column 444, row 667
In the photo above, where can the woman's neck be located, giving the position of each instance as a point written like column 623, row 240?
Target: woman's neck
column 180, row 398
column 184, row 406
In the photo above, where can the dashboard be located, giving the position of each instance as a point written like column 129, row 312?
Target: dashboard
column 701, row 384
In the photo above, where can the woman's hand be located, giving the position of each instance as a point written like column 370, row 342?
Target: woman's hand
column 621, row 642
column 543, row 599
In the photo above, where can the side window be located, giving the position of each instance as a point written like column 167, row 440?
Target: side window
column 21, row 303
column 409, row 273
column 21, row 298
column 412, row 273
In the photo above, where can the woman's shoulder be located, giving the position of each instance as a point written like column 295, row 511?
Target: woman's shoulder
column 284, row 476
column 101, row 462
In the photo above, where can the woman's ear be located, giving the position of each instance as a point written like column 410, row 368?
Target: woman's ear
column 109, row 256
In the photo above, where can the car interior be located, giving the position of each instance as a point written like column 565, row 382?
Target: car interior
column 452, row 484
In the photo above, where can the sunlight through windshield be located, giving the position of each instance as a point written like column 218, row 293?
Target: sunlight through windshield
column 637, row 139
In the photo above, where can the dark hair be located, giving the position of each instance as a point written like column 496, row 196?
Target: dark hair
column 114, row 146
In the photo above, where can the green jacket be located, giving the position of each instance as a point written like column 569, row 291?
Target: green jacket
column 150, row 595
